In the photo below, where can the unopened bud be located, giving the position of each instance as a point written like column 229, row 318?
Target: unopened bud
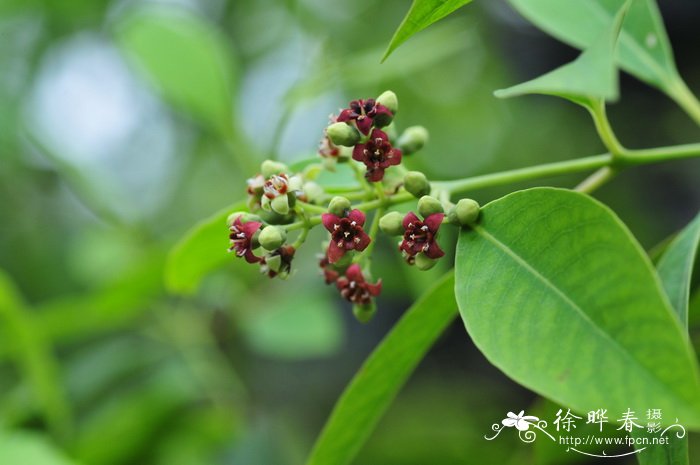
column 244, row 216
column 343, row 134
column 465, row 212
column 272, row 237
column 392, row 224
column 389, row 100
column 416, row 183
column 413, row 139
column 424, row 263
column 364, row 313
column 280, row 204
column 428, row 205
column 271, row 168
column 339, row 206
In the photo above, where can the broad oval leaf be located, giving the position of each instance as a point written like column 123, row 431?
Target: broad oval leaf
column 592, row 75
column 187, row 60
column 379, row 380
column 643, row 50
column 201, row 250
column 422, row 14
column 557, row 293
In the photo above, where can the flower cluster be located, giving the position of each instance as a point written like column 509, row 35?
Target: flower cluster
column 282, row 201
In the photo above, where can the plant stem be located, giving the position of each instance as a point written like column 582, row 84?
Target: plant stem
column 602, row 125
column 596, row 180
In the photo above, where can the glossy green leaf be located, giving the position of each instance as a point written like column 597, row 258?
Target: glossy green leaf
column 187, row 60
column 557, row 293
column 382, row 375
column 675, row 270
column 422, row 14
column 592, row 75
column 201, row 250
column 643, row 50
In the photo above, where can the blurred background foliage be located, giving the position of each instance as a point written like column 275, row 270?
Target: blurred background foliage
column 123, row 123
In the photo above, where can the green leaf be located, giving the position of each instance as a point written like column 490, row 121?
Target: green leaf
column 557, row 293
column 422, row 14
column 19, row 447
column 591, row 76
column 200, row 251
column 676, row 268
column 382, row 375
column 186, row 59
column 36, row 362
column 643, row 49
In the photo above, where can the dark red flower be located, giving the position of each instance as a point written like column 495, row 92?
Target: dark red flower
column 377, row 154
column 363, row 112
column 242, row 237
column 346, row 234
column 279, row 262
column 276, row 185
column 330, row 274
column 419, row 236
column 354, row 288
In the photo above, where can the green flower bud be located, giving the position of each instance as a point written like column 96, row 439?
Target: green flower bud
column 364, row 313
column 232, row 218
column 464, row 213
column 270, row 168
column 313, row 191
column 423, row 262
column 339, row 206
column 416, row 183
column 343, row 134
column 295, row 183
column 272, row 237
column 413, row 139
column 392, row 224
column 280, row 204
column 244, row 216
column 389, row 100
column 428, row 205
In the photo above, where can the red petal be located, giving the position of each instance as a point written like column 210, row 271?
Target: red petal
column 250, row 257
column 329, row 220
column 354, row 273
column 364, row 124
column 345, row 115
column 375, row 289
column 364, row 241
column 434, row 251
column 395, row 157
column 335, row 253
column 358, row 153
column 379, row 134
column 250, row 228
column 410, row 218
column 357, row 216
column 380, row 109
column 375, row 174
column 434, row 221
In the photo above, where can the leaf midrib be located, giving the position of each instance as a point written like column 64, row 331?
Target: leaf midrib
column 579, row 311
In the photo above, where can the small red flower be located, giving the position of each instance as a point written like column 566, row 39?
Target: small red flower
column 327, row 149
column 279, row 262
column 346, row 234
column 363, row 112
column 330, row 274
column 354, row 288
column 242, row 237
column 377, row 154
column 419, row 236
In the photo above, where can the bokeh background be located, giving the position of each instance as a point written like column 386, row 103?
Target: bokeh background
column 103, row 168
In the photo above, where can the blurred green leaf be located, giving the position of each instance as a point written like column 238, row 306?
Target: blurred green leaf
column 24, row 448
column 422, row 14
column 643, row 50
column 592, row 75
column 379, row 380
column 34, row 357
column 304, row 327
column 558, row 294
column 675, row 270
column 186, row 58
column 201, row 250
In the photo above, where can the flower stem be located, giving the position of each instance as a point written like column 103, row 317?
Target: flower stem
column 596, row 180
column 602, row 125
